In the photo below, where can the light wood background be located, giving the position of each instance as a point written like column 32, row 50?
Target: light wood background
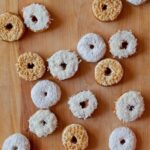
column 72, row 19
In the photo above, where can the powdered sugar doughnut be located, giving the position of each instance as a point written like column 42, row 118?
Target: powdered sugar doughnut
column 123, row 44
column 16, row 141
column 130, row 106
column 42, row 123
column 91, row 47
column 63, row 64
column 122, row 138
column 45, row 94
column 36, row 17
column 83, row 104
column 136, row 2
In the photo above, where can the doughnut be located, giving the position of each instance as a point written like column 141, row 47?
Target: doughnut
column 42, row 123
column 16, row 141
column 30, row 66
column 108, row 72
column 11, row 27
column 129, row 106
column 36, row 17
column 75, row 137
column 83, row 104
column 123, row 44
column 91, row 47
column 136, row 2
column 106, row 10
column 122, row 138
column 45, row 94
column 63, row 64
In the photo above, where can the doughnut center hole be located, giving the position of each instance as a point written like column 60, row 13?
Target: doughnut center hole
column 43, row 122
column 45, row 93
column 104, row 7
column 130, row 107
column 9, row 26
column 30, row 65
column 124, row 45
column 122, row 142
column 91, row 46
column 14, row 148
column 107, row 71
column 34, row 19
column 74, row 140
column 84, row 104
column 63, row 65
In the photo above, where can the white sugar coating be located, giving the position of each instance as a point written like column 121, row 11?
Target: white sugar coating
column 16, row 141
column 122, row 138
column 42, row 123
column 42, row 17
column 85, row 98
column 63, row 64
column 129, row 106
column 45, row 94
column 136, row 2
column 91, row 47
column 121, row 39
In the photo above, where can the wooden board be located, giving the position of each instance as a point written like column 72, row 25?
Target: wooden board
column 72, row 19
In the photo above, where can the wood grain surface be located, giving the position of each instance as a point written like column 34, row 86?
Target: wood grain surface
column 72, row 19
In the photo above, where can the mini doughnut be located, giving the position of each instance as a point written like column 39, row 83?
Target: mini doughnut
column 136, row 2
column 108, row 72
column 36, row 17
column 129, row 106
column 11, row 27
column 63, row 64
column 30, row 66
column 75, row 137
column 45, row 94
column 123, row 44
column 106, row 10
column 42, row 123
column 16, row 141
column 122, row 138
column 83, row 104
column 91, row 47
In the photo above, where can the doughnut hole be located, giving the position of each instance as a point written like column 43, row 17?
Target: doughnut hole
column 9, row 26
column 63, row 65
column 34, row 19
column 43, row 122
column 107, row 71
column 30, row 65
column 14, row 148
column 45, row 93
column 74, row 140
column 84, row 104
column 124, row 45
column 91, row 46
column 104, row 7
column 130, row 107
column 122, row 142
